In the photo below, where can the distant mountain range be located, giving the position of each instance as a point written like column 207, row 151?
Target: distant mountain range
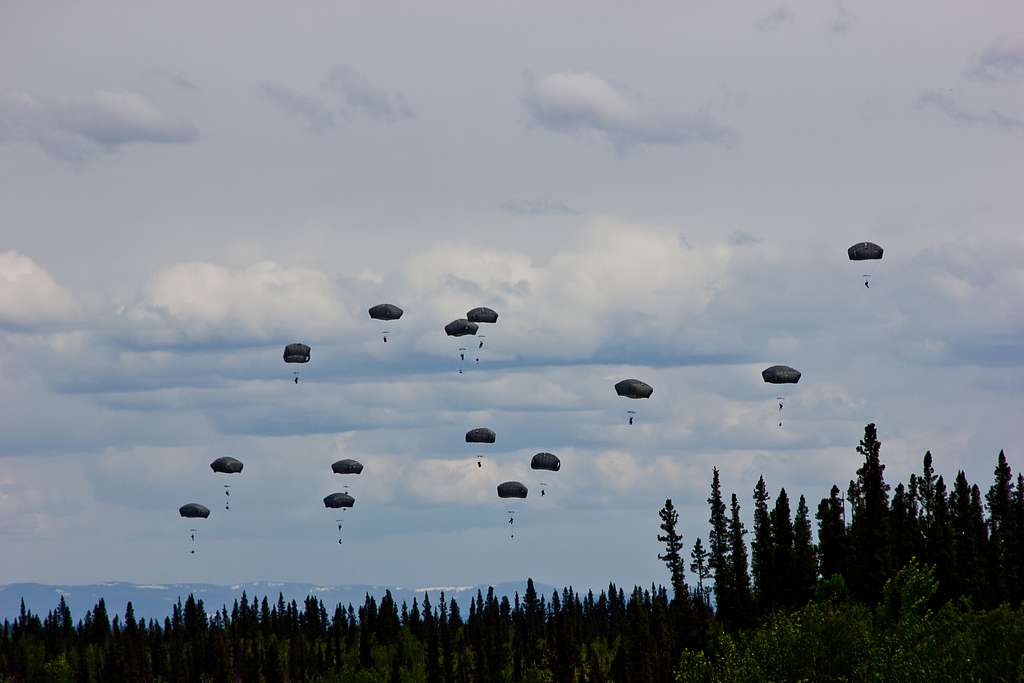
column 155, row 601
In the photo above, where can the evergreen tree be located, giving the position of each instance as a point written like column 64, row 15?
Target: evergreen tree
column 805, row 558
column 739, row 572
column 762, row 548
column 869, row 531
column 1001, row 526
column 718, row 547
column 783, row 561
column 673, row 555
column 699, row 566
column 831, row 535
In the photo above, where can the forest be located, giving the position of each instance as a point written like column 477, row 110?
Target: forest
column 921, row 581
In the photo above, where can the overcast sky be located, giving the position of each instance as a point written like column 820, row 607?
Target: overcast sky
column 664, row 192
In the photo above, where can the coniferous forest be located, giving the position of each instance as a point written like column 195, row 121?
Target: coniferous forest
column 921, row 581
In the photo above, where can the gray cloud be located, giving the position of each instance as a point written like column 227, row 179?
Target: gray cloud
column 572, row 102
column 782, row 15
column 740, row 238
column 80, row 128
column 315, row 116
column 362, row 97
column 946, row 105
column 171, row 78
column 538, row 207
column 998, row 64
column 843, row 19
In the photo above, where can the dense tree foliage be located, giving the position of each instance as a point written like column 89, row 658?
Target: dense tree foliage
column 922, row 586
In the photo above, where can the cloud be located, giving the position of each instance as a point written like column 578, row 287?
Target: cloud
column 29, row 297
column 779, row 16
column 171, row 78
column 739, row 238
column 944, row 104
column 538, row 207
column 199, row 304
column 363, row 97
column 843, row 19
column 313, row 114
column 79, row 129
column 998, row 64
column 571, row 102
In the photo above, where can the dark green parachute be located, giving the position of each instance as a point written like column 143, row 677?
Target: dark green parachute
column 347, row 466
column 482, row 314
column 546, row 461
column 460, row 328
column 781, row 374
column 386, row 312
column 634, row 388
column 227, row 465
column 512, row 489
column 194, row 510
column 339, row 500
column 296, row 353
column 865, row 251
column 481, row 435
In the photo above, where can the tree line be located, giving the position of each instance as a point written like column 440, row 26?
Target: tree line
column 922, row 583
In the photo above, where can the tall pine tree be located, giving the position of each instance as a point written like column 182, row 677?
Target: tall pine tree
column 673, row 555
column 869, row 532
column 718, row 549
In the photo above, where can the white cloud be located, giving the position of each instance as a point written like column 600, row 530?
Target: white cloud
column 573, row 101
column 103, row 122
column 29, row 297
column 202, row 303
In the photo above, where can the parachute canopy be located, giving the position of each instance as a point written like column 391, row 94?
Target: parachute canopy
column 296, row 353
column 386, row 312
column 634, row 388
column 511, row 489
column 339, row 500
column 194, row 510
column 781, row 374
column 546, row 461
column 347, row 466
column 460, row 328
column 482, row 314
column 865, row 251
column 481, row 435
column 226, row 465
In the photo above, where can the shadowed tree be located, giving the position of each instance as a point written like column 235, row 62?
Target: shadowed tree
column 739, row 571
column 869, row 531
column 805, row 558
column 831, row 535
column 762, row 549
column 718, row 551
column 673, row 555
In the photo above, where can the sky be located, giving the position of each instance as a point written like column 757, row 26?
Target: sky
column 662, row 190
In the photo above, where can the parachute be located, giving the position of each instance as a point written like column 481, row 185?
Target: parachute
column 545, row 461
column 347, row 466
column 296, row 353
column 340, row 500
column 481, row 435
column 461, row 328
column 385, row 312
column 780, row 374
column 512, row 489
column 865, row 251
column 633, row 388
column 193, row 511
column 481, row 314
column 227, row 465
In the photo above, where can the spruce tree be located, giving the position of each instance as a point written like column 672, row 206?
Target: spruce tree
column 673, row 555
column 739, row 571
column 783, row 560
column 831, row 535
column 718, row 547
column 1001, row 526
column 699, row 566
column 762, row 549
column 869, row 532
column 805, row 574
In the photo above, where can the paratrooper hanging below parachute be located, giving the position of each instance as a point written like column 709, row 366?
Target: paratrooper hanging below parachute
column 780, row 374
column 296, row 353
column 194, row 511
column 865, row 251
column 635, row 389
column 227, row 465
column 385, row 312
